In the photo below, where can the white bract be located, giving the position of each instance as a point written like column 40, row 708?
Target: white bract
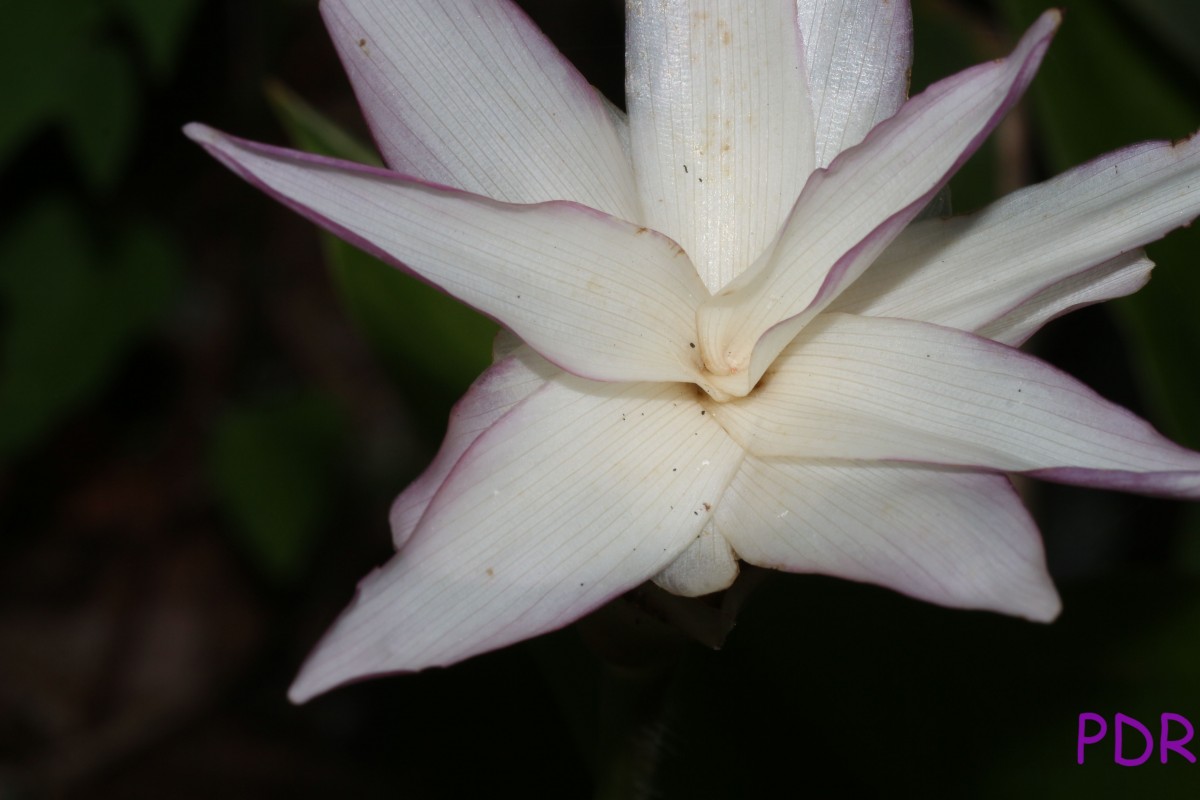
column 729, row 338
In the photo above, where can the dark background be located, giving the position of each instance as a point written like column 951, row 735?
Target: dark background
column 205, row 413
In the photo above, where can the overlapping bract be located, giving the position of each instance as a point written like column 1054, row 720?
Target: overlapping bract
column 730, row 341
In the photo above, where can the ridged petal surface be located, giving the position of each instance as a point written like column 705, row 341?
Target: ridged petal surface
column 471, row 94
column 720, row 123
column 896, row 390
column 850, row 212
column 858, row 54
column 579, row 493
column 597, row 296
column 952, row 537
column 493, row 394
column 968, row 271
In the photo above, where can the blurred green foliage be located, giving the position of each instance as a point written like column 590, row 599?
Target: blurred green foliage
column 66, row 63
column 74, row 309
column 273, row 466
column 78, row 296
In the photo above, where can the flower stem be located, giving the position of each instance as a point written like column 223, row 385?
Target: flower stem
column 632, row 705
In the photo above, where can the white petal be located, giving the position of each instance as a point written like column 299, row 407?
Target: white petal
column 491, row 396
column 858, row 56
column 887, row 389
column 620, row 122
column 707, row 565
column 721, row 124
column 595, row 295
column 952, row 537
column 1116, row 277
column 470, row 94
column 580, row 493
column 967, row 272
column 848, row 213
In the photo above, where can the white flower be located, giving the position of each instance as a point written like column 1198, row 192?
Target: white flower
column 703, row 368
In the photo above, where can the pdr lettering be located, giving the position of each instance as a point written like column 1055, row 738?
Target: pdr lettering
column 1133, row 742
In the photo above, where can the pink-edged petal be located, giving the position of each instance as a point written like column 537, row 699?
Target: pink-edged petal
column 492, row 395
column 848, row 213
column 1114, row 278
column 720, row 122
column 707, row 565
column 886, row 389
column 578, row 494
column 952, row 537
column 858, row 57
column 597, row 296
column 470, row 94
column 968, row 271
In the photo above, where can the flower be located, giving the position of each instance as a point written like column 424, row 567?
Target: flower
column 701, row 367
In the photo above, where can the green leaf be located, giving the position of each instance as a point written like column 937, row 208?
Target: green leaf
column 409, row 324
column 72, row 314
column 271, row 464
column 312, row 131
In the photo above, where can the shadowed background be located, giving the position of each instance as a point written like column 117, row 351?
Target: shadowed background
column 206, row 409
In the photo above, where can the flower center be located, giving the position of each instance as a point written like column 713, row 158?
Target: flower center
column 723, row 388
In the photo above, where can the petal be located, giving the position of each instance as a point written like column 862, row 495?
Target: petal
column 720, row 123
column 620, row 122
column 593, row 294
column 969, row 271
column 1116, row 277
column 470, row 94
column 952, row 537
column 491, row 396
column 580, row 493
column 848, row 213
column 886, row 389
column 858, row 57
column 707, row 565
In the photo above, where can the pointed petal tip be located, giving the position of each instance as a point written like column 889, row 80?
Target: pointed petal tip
column 1178, row 484
column 1039, row 602
column 200, row 133
column 301, row 691
column 1032, row 46
column 1048, row 608
column 320, row 674
column 1044, row 26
